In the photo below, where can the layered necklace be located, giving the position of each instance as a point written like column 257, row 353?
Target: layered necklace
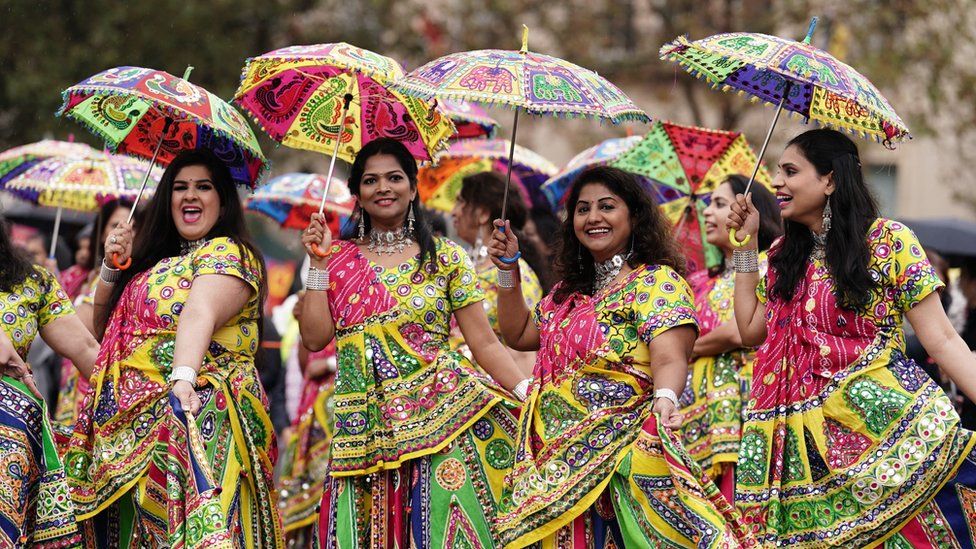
column 607, row 271
column 388, row 242
column 190, row 246
column 819, row 251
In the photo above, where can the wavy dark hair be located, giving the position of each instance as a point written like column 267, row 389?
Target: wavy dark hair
column 96, row 242
column 422, row 231
column 770, row 221
column 653, row 240
column 486, row 190
column 853, row 211
column 15, row 265
column 158, row 238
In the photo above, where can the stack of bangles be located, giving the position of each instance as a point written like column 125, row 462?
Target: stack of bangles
column 506, row 278
column 745, row 261
column 109, row 275
column 317, row 280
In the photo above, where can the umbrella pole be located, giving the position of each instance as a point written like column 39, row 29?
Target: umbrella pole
column 762, row 151
column 54, row 237
column 347, row 99
column 508, row 184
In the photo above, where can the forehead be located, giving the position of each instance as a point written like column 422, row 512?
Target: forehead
column 194, row 172
column 793, row 155
column 723, row 191
column 382, row 163
column 592, row 192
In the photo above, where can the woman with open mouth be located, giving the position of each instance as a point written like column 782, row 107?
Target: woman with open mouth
column 846, row 442
column 597, row 463
column 720, row 371
column 423, row 439
column 174, row 445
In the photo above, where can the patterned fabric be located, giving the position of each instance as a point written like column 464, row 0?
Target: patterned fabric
column 192, row 482
column 422, row 441
column 715, row 396
column 845, row 439
column 588, row 424
column 35, row 509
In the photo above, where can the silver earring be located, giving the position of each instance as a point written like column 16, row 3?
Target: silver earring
column 410, row 220
column 827, row 214
column 362, row 224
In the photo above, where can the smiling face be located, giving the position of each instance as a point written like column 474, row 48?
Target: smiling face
column 601, row 221
column 716, row 214
column 385, row 192
column 195, row 205
column 468, row 220
column 800, row 191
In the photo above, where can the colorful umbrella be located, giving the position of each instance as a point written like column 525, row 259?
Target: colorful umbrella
column 556, row 187
column 152, row 114
column 440, row 184
column 291, row 199
column 15, row 161
column 539, row 84
column 794, row 75
column 336, row 98
column 470, row 120
column 679, row 166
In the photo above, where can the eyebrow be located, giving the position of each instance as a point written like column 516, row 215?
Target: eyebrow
column 204, row 180
column 785, row 164
column 387, row 173
column 598, row 200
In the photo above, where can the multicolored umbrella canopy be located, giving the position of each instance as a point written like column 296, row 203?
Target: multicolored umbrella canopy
column 821, row 88
column 557, row 186
column 679, row 166
column 440, row 184
column 292, row 198
column 135, row 109
column 470, row 120
column 15, row 161
column 297, row 95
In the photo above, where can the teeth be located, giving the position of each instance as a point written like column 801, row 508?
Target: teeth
column 598, row 231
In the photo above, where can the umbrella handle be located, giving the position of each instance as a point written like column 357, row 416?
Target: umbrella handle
column 319, row 251
column 736, row 242
column 346, row 100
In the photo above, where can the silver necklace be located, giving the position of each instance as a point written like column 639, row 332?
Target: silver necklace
column 190, row 246
column 819, row 251
column 388, row 242
column 607, row 271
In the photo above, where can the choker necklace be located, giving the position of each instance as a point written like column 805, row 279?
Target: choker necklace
column 607, row 271
column 388, row 242
column 190, row 246
column 819, row 251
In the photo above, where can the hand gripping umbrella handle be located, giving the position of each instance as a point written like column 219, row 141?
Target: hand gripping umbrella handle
column 347, row 99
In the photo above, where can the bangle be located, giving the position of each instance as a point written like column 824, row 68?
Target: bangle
column 183, row 373
column 521, row 391
column 109, row 275
column 317, row 279
column 745, row 261
column 506, row 278
column 668, row 394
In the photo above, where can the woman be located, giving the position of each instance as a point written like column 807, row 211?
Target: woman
column 721, row 369
column 35, row 510
column 846, row 442
column 478, row 203
column 422, row 439
column 173, row 445
column 72, row 386
column 596, row 464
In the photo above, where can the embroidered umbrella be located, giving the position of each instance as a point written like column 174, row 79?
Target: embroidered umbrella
column 557, row 186
column 793, row 75
column 538, row 84
column 291, row 199
column 440, row 184
column 470, row 120
column 152, row 114
column 15, row 161
column 679, row 166
column 335, row 98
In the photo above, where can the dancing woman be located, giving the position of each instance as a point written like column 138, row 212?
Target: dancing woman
column 35, row 510
column 173, row 445
column 721, row 369
column 846, row 441
column 422, row 439
column 596, row 463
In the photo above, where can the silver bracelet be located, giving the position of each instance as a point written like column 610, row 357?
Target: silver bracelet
column 521, row 391
column 506, row 279
column 317, row 280
column 745, row 261
column 668, row 394
column 109, row 275
column 183, row 373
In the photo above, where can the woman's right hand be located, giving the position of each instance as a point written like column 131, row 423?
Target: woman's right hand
column 118, row 244
column 319, row 234
column 744, row 221
column 503, row 244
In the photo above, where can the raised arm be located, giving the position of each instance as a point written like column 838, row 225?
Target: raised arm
column 943, row 344
column 316, row 323
column 514, row 317
column 750, row 313
column 117, row 242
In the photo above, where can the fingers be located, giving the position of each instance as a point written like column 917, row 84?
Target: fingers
column 31, row 386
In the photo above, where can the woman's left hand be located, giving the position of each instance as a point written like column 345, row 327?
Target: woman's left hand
column 13, row 366
column 187, row 395
column 668, row 412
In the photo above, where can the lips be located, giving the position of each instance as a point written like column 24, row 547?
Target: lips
column 384, row 202
column 192, row 214
column 783, row 199
column 598, row 232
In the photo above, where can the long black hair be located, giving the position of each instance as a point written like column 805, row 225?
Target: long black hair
column 422, row 231
column 853, row 211
column 486, row 190
column 653, row 240
column 96, row 241
column 15, row 265
column 158, row 238
column 770, row 220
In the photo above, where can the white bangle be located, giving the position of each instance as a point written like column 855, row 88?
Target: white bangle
column 668, row 394
column 506, row 279
column 183, row 373
column 109, row 275
column 521, row 391
column 317, row 280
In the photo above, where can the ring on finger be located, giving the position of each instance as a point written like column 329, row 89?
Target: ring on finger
column 113, row 240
